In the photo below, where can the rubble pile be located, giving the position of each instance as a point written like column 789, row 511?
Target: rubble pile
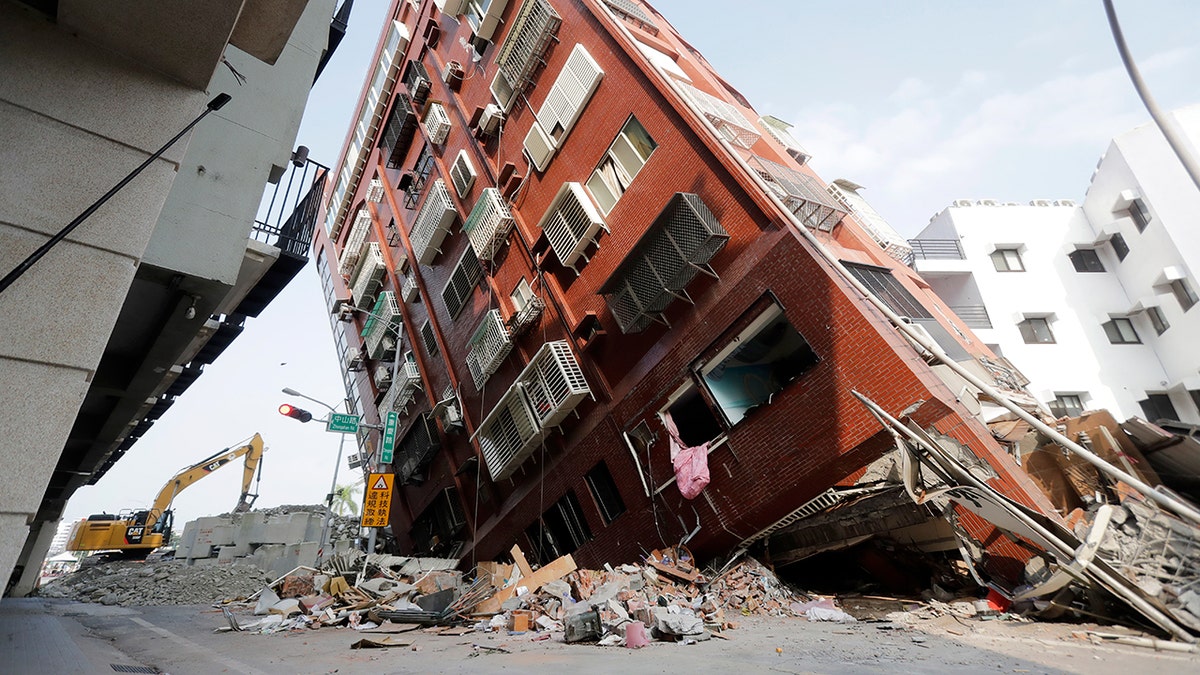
column 165, row 583
column 276, row 539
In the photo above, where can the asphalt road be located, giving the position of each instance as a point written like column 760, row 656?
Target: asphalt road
column 53, row 636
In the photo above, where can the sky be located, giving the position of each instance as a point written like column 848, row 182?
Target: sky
column 920, row 101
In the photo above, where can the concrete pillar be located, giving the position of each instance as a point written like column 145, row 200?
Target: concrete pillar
column 28, row 568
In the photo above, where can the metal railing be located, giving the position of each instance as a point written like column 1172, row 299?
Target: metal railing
column 293, row 234
column 975, row 316
column 937, row 249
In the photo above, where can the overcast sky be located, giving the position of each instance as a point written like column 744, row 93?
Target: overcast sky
column 921, row 101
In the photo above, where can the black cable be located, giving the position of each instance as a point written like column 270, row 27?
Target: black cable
column 215, row 104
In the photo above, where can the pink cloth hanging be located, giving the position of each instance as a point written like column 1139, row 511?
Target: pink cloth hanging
column 691, row 464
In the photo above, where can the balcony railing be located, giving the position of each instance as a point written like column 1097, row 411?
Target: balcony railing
column 293, row 234
column 937, row 249
column 975, row 316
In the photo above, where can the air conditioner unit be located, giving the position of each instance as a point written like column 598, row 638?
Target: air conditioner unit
column 484, row 23
column 437, row 123
column 454, row 7
column 452, row 74
column 539, row 146
column 490, row 120
column 345, row 314
column 462, row 173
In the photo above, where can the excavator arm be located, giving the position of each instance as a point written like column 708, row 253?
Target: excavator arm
column 253, row 450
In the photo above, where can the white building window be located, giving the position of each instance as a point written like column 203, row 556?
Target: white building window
column 1140, row 214
column 1066, row 405
column 1120, row 332
column 1036, row 330
column 1086, row 260
column 1008, row 260
column 1183, row 293
column 1158, row 320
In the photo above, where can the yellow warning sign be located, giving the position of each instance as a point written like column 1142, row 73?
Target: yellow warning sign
column 377, row 501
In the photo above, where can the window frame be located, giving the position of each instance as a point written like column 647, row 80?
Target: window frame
column 1029, row 330
column 1184, row 294
column 1139, row 213
column 1158, row 320
column 1121, row 331
column 625, row 177
column 600, row 473
column 1119, row 246
column 1060, row 407
column 1000, row 257
column 1086, row 261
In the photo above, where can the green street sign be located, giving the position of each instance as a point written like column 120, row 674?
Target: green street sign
column 345, row 424
column 389, row 438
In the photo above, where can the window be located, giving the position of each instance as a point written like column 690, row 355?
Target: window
column 757, row 365
column 1119, row 246
column 1036, row 330
column 696, row 421
column 521, row 295
column 462, row 282
column 1007, row 260
column 1158, row 407
column 1183, row 293
column 1066, row 405
column 887, row 288
column 624, row 159
column 1120, row 332
column 1195, row 394
column 578, row 79
column 562, row 529
column 1086, row 260
column 428, row 339
column 1140, row 214
column 1157, row 319
column 604, row 489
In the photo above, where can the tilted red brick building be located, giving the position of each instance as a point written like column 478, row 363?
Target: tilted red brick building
column 553, row 226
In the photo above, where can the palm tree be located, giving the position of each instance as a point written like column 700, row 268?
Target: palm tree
column 346, row 499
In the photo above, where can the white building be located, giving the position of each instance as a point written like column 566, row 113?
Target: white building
column 1094, row 303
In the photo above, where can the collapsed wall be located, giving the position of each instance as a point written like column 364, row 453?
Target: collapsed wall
column 276, row 540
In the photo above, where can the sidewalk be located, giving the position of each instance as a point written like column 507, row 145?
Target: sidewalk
column 36, row 639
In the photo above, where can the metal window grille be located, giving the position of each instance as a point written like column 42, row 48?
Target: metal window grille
column 428, row 339
column 508, row 434
column 488, row 224
column 379, row 333
column 677, row 246
column 802, row 194
column 416, row 449
column 571, row 224
column 726, row 117
column 398, row 135
column 520, row 53
column 526, row 316
column 632, row 12
column 408, row 287
column 554, row 383
column 432, row 223
column 888, row 289
column 354, row 242
column 462, row 282
column 437, row 123
column 488, row 347
column 572, row 88
column 375, row 191
column 778, row 129
column 416, row 80
column 368, row 277
column 407, row 376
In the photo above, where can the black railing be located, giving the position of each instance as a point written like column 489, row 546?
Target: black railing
column 936, row 249
column 294, row 233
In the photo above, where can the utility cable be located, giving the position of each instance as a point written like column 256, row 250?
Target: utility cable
column 1168, row 127
column 16, row 273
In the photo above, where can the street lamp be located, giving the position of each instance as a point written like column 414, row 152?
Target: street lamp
column 333, row 487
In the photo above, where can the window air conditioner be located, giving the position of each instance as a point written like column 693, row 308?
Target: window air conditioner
column 493, row 116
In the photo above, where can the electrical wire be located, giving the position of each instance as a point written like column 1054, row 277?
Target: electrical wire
column 1167, row 126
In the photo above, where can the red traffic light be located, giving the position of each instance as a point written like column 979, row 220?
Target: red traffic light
column 289, row 410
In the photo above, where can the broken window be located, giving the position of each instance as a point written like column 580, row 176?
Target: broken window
column 1066, row 405
column 1158, row 320
column 1007, row 260
column 1086, row 260
column 1183, row 293
column 1119, row 246
column 756, row 365
column 1158, row 407
column 1120, row 332
column 696, row 421
column 604, row 489
column 1036, row 330
column 562, row 529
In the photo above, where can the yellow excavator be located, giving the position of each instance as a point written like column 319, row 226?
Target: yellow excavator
column 134, row 534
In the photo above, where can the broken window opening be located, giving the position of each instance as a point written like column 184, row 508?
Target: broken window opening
column 756, row 365
column 697, row 422
column 561, row 530
column 604, row 489
column 1158, row 407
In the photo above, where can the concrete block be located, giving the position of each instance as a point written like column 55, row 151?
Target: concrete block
column 187, row 541
column 252, row 529
column 313, row 528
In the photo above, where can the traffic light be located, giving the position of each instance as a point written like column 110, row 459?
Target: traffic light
column 293, row 412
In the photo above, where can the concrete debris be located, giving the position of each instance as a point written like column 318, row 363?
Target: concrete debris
column 163, row 583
